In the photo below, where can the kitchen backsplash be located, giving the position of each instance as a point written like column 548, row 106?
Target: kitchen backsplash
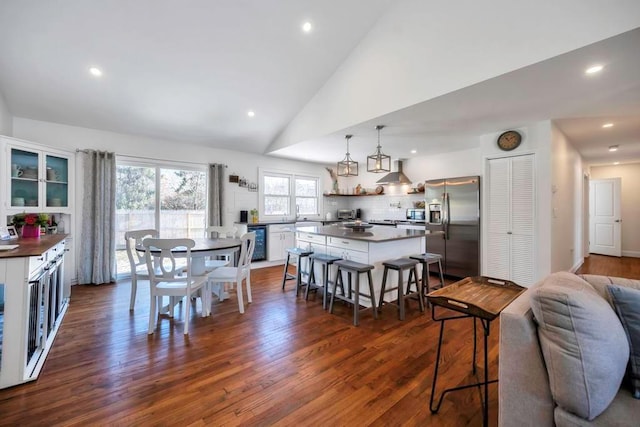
column 387, row 206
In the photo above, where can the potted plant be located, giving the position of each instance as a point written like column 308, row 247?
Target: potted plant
column 254, row 215
column 30, row 223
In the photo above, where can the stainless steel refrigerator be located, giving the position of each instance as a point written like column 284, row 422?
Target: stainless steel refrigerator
column 453, row 206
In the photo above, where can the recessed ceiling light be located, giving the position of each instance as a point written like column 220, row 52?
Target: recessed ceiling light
column 594, row 69
column 251, row 113
column 613, row 148
column 607, row 125
column 616, row 163
column 414, row 151
column 95, row 71
column 306, row 27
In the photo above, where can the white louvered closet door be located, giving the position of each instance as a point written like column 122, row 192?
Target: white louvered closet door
column 511, row 211
column 498, row 219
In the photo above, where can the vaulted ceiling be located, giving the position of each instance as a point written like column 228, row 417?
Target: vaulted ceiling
column 191, row 71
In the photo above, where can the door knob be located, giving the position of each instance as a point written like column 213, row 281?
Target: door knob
column 617, row 220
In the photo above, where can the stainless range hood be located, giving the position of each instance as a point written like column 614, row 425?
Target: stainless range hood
column 396, row 177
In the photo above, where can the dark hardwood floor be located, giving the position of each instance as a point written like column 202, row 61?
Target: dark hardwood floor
column 284, row 362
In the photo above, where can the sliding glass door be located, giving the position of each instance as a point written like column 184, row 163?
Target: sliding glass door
column 169, row 199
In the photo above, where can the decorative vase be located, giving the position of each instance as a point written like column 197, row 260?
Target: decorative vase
column 254, row 218
column 31, row 231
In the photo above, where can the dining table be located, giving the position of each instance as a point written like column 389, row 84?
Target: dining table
column 205, row 247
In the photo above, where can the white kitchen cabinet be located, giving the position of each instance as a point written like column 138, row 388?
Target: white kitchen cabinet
column 34, row 305
column 38, row 179
column 280, row 237
column 510, row 241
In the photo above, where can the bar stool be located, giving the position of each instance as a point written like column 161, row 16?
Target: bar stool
column 427, row 259
column 400, row 265
column 300, row 254
column 326, row 261
column 353, row 297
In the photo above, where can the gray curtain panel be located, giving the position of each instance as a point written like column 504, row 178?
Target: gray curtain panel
column 97, row 242
column 215, row 194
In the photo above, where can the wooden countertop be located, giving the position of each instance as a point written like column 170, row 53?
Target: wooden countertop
column 374, row 234
column 31, row 246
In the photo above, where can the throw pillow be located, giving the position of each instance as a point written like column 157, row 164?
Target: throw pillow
column 584, row 346
column 627, row 303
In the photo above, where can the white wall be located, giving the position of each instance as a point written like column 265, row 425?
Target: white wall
column 403, row 60
column 246, row 165
column 566, row 204
column 6, row 119
column 630, row 195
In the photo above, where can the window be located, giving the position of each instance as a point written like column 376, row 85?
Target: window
column 306, row 196
column 171, row 199
column 277, row 189
column 284, row 195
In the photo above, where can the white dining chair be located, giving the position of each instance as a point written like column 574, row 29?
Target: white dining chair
column 220, row 232
column 230, row 275
column 136, row 259
column 168, row 278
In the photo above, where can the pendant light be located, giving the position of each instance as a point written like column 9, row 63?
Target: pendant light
column 378, row 162
column 348, row 166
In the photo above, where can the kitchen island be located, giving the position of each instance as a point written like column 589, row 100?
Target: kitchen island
column 33, row 300
column 373, row 246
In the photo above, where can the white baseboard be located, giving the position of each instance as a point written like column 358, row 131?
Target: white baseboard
column 263, row 264
column 577, row 266
column 633, row 254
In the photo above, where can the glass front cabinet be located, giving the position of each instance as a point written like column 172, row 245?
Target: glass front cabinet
column 39, row 180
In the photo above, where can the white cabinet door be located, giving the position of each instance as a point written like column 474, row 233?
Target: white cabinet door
column 277, row 245
column 510, row 243
column 288, row 241
column 274, row 246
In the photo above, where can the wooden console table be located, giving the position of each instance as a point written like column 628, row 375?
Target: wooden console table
column 480, row 298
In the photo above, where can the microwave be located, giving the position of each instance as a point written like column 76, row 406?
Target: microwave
column 415, row 214
column 346, row 214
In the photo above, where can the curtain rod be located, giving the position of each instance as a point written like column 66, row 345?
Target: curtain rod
column 78, row 150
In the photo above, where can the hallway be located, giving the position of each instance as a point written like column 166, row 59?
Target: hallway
column 611, row 266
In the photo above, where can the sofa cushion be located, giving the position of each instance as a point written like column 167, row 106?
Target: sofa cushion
column 600, row 284
column 622, row 412
column 626, row 301
column 584, row 346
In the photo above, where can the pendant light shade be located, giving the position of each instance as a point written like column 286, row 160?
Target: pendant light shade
column 348, row 166
column 378, row 162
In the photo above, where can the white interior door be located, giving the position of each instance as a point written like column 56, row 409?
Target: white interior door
column 604, row 217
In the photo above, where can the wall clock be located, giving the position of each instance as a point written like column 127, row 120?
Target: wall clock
column 509, row 140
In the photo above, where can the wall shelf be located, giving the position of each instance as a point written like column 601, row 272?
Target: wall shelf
column 352, row 195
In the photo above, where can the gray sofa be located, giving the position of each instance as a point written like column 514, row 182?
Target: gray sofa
column 525, row 397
